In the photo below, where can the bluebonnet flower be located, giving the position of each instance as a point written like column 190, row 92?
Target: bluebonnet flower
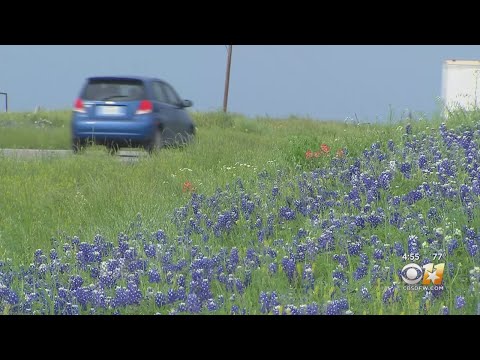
column 336, row 307
column 275, row 191
column 360, row 272
column 452, row 246
column 239, row 286
column 150, row 250
column 194, row 304
column 364, row 259
column 83, row 296
column 261, row 236
column 325, row 241
column 384, row 180
column 372, row 195
column 476, row 187
column 412, row 197
column 38, row 254
column 413, row 246
column 398, row 249
column 71, row 309
column 204, row 292
column 472, row 247
column 290, row 310
column 288, row 266
column 8, row 295
column 406, row 169
column 342, row 259
column 388, row 295
column 153, row 276
column 446, row 168
column 309, row 281
column 359, row 221
column 378, row 254
column 433, row 215
column 75, row 282
column 459, row 302
column 375, row 241
column 365, row 294
column 234, row 257
column 212, row 305
column 271, row 252
column 230, row 283
column 287, row 213
column 312, row 309
column 181, row 280
column 251, row 258
column 171, row 296
column 376, row 273
column 160, row 299
column 396, row 200
column 422, row 162
column 264, row 301
column 75, row 241
column 374, row 220
column 181, row 294
column 470, row 233
column 273, row 268
column 53, row 254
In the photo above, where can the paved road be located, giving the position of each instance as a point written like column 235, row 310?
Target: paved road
column 122, row 155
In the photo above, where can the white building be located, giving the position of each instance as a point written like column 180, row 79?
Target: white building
column 460, row 85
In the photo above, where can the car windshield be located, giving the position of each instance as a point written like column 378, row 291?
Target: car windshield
column 114, row 89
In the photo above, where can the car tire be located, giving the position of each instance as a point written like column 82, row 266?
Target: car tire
column 112, row 148
column 156, row 143
column 77, row 146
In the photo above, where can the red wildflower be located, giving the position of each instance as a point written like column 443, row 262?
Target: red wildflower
column 187, row 186
column 325, row 148
column 308, row 154
column 316, row 154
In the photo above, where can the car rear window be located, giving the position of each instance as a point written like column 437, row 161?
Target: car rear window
column 114, row 90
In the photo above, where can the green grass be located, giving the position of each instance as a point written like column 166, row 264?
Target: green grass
column 93, row 193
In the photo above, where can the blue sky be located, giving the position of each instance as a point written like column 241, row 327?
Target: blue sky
column 319, row 81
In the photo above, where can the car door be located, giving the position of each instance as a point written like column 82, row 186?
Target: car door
column 182, row 118
column 166, row 112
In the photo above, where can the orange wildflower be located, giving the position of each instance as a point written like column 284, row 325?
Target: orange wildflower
column 187, row 186
column 325, row 148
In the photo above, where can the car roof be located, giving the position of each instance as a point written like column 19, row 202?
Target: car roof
column 129, row 77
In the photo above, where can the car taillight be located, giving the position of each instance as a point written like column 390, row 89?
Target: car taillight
column 78, row 106
column 145, row 107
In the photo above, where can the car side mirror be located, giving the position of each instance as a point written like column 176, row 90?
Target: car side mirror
column 186, row 103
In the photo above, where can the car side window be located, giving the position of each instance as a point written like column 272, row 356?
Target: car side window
column 159, row 93
column 171, row 94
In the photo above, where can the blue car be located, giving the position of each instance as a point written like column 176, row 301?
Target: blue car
column 130, row 112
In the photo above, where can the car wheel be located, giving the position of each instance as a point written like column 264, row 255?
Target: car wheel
column 156, row 143
column 112, row 148
column 77, row 146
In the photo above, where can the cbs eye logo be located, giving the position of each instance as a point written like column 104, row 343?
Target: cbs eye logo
column 433, row 274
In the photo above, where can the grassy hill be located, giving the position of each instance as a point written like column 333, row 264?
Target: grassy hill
column 244, row 220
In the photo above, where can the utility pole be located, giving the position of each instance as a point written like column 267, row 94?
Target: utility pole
column 6, row 100
column 227, row 78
